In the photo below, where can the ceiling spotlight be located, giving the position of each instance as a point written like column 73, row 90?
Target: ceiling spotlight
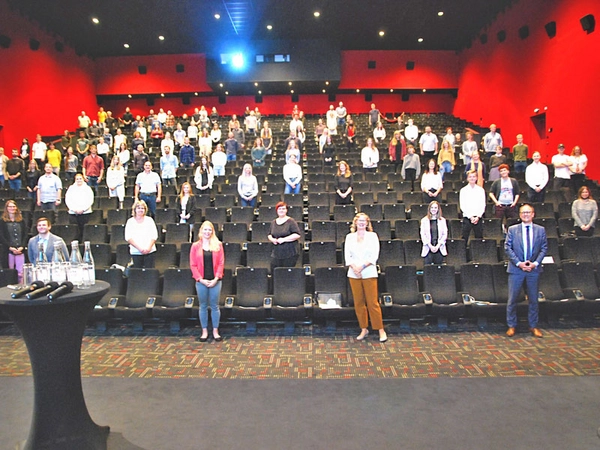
column 162, row 95
column 255, row 84
column 196, row 94
column 317, row 14
column 536, row 110
column 291, row 91
column 424, row 90
column 220, row 84
column 358, row 90
column 382, row 33
column 129, row 96
column 260, row 92
column 126, row 45
column 324, row 91
column 269, row 27
column 226, row 92
column 290, row 83
column 545, row 108
column 440, row 13
column 327, row 83
column 420, row 40
column 391, row 90
column 95, row 20
column 161, row 38
column 217, row 16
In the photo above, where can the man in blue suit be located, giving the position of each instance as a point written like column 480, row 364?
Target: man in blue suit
column 47, row 239
column 525, row 246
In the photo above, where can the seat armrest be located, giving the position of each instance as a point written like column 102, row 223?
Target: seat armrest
column 466, row 298
column 229, row 302
column 153, row 301
column 307, row 301
column 427, row 298
column 189, row 302
column 114, row 301
column 387, row 299
column 268, row 302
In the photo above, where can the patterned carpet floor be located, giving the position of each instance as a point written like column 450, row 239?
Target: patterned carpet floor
column 313, row 354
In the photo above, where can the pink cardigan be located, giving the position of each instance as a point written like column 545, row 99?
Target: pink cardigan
column 197, row 261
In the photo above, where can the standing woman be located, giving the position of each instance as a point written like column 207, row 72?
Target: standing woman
column 283, row 235
column 369, row 157
column 446, row 160
column 397, row 149
column 187, row 204
column 71, row 162
column 115, row 180
column 266, row 134
column 258, row 153
column 207, row 261
column 215, row 134
column 361, row 251
column 292, row 174
column 350, row 133
column 125, row 155
column 141, row 235
column 328, row 150
column 32, row 176
column 585, row 212
column 431, row 182
column 343, row 184
column 434, row 233
column 578, row 164
column 247, row 186
column 13, row 235
column 204, row 177
column 79, row 199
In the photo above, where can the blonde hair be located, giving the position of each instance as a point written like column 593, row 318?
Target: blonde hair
column 136, row 204
column 348, row 173
column 358, row 216
column 214, row 245
column 6, row 215
column 186, row 183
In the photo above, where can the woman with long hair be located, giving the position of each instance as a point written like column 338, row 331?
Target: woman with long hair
column 247, row 186
column 187, row 204
column 343, row 184
column 397, row 149
column 207, row 261
column 446, row 160
column 431, row 182
column 204, row 177
column 71, row 162
column 361, row 252
column 115, row 180
column 13, row 235
column 579, row 162
column 369, row 157
column 266, row 134
column 258, row 153
column 585, row 212
column 434, row 233
column 32, row 176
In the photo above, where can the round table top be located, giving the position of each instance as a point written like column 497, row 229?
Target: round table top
column 97, row 290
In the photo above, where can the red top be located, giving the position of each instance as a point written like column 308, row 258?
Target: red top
column 197, row 261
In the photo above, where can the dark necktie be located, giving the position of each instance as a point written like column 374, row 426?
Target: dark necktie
column 528, row 250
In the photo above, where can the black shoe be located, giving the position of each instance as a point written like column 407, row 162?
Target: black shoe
column 219, row 339
column 202, row 339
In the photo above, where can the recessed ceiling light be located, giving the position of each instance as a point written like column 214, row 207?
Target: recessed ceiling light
column 391, row 90
column 424, row 90
column 196, row 94
column 161, row 38
column 255, row 84
column 129, row 96
column 217, row 16
column 358, row 90
column 440, row 13
column 317, row 14
column 420, row 39
column 327, row 83
column 290, row 83
column 382, row 33
column 324, row 91
column 269, row 27
column 162, row 95
column 95, row 20
column 226, row 92
column 260, row 92
column 126, row 45
column 292, row 91
column 220, row 84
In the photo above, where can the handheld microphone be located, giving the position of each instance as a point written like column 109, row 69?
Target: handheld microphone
column 61, row 290
column 27, row 289
column 42, row 291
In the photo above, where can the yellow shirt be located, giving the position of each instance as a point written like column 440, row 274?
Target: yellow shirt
column 54, row 157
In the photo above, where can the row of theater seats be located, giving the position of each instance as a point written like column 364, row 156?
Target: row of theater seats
column 289, row 296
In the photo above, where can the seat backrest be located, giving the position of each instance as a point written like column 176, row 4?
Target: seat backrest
column 258, row 255
column 166, row 257
column 457, row 253
column 484, row 251
column 580, row 275
column 178, row 284
column 579, row 249
column 242, row 214
column 549, row 282
column 252, row 286
column 289, row 286
column 333, row 280
column 500, row 280
column 141, row 284
column 407, row 229
column 116, row 281
column 323, row 231
column 412, row 253
column 383, row 228
column 394, row 212
column 322, row 254
column 260, row 231
column 440, row 282
column 402, row 283
column 235, row 232
column 391, row 253
column 477, row 281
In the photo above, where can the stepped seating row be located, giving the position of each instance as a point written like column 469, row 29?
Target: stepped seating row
column 252, row 295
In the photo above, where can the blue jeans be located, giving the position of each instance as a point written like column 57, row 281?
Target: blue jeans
column 93, row 183
column 446, row 167
column 206, row 296
column 150, row 202
column 231, row 157
column 219, row 171
column 251, row 202
column 290, row 190
column 520, row 166
column 15, row 184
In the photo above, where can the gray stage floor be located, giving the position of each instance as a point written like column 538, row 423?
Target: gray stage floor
column 466, row 413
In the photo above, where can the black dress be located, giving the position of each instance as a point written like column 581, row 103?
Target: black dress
column 342, row 184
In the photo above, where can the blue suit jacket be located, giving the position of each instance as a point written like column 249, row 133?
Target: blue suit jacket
column 32, row 247
column 513, row 247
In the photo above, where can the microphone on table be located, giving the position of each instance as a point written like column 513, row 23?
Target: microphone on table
column 61, row 290
column 27, row 289
column 42, row 291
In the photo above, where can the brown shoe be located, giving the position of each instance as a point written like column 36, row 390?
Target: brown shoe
column 510, row 332
column 536, row 332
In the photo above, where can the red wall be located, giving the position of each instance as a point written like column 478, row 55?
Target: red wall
column 41, row 91
column 433, row 69
column 120, row 75
column 505, row 82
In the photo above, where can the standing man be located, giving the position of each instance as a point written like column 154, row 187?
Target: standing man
column 520, row 152
column 428, row 144
column 15, row 168
column 148, row 187
column 45, row 238
column 83, row 145
column 83, row 121
column 505, row 194
column 525, row 246
column 39, row 148
column 491, row 140
column 231, row 147
column 536, row 177
column 168, row 168
column 471, row 200
column 562, row 174
column 3, row 163
column 374, row 116
column 411, row 133
column 187, row 155
column 93, row 168
column 49, row 190
column 341, row 114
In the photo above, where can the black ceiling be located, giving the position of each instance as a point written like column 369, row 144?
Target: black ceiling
column 189, row 26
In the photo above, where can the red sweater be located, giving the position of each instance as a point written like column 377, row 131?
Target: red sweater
column 197, row 261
